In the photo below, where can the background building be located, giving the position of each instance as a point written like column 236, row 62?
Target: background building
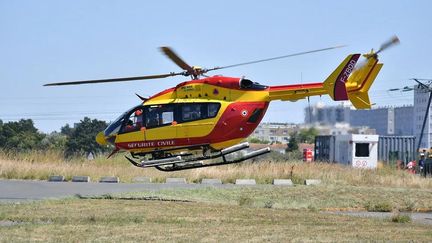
column 320, row 114
column 404, row 121
column 384, row 120
column 420, row 103
column 274, row 132
column 381, row 119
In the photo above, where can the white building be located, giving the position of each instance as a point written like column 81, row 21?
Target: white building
column 274, row 132
column 356, row 150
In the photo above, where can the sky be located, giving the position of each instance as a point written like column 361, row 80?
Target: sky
column 52, row 41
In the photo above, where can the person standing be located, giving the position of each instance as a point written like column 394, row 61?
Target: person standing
column 422, row 164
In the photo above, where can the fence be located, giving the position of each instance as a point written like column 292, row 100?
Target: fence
column 394, row 148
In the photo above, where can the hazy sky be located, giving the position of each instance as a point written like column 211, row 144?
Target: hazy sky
column 51, row 41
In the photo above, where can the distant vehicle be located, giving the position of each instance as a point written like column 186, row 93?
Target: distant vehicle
column 192, row 124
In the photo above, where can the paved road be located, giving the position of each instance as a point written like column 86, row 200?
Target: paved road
column 23, row 190
column 423, row 218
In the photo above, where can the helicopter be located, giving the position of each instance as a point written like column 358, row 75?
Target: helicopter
column 201, row 122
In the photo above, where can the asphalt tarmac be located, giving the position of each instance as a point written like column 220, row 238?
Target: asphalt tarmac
column 25, row 190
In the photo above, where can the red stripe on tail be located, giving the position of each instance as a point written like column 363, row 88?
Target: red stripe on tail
column 340, row 92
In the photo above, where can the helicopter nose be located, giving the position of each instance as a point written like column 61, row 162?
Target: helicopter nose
column 100, row 138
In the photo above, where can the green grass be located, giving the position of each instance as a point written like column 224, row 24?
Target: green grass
column 261, row 213
column 80, row 220
column 380, row 206
column 400, row 218
column 85, row 220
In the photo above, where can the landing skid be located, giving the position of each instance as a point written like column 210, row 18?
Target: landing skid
column 176, row 163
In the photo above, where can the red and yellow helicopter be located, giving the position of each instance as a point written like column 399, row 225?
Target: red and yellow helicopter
column 198, row 123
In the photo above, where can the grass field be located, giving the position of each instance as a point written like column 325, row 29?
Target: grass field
column 216, row 215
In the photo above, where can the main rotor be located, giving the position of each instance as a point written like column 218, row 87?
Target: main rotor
column 195, row 72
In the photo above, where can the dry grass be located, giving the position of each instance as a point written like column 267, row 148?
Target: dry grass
column 40, row 165
column 142, row 221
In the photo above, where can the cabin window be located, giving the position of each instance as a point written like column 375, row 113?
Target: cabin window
column 159, row 115
column 191, row 112
column 198, row 111
column 213, row 109
column 362, row 150
column 256, row 114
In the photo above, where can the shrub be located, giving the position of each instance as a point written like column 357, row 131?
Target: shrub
column 378, row 207
column 268, row 204
column 400, row 218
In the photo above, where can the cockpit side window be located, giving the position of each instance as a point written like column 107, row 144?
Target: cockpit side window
column 133, row 121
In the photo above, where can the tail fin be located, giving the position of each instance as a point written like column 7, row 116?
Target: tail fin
column 360, row 81
column 335, row 83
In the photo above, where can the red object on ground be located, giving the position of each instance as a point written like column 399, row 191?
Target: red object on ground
column 307, row 155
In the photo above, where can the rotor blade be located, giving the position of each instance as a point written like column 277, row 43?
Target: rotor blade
column 274, row 58
column 176, row 59
column 114, row 79
column 393, row 41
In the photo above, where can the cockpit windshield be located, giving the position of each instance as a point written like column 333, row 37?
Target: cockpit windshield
column 114, row 127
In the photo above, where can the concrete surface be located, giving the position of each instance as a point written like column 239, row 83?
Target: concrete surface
column 109, row 179
column 81, row 179
column 245, row 182
column 142, row 180
column 56, row 178
column 211, row 181
column 283, row 182
column 175, row 180
column 312, row 182
column 26, row 190
column 422, row 218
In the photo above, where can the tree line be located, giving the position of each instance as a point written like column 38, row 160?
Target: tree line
column 22, row 135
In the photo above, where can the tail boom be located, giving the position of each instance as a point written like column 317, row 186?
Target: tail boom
column 295, row 92
column 334, row 85
column 344, row 83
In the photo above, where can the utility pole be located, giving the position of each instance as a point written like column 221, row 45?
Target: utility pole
column 426, row 88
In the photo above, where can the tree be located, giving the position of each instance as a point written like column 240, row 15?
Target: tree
column 55, row 141
column 292, row 143
column 82, row 137
column 66, row 130
column 257, row 140
column 307, row 135
column 20, row 135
